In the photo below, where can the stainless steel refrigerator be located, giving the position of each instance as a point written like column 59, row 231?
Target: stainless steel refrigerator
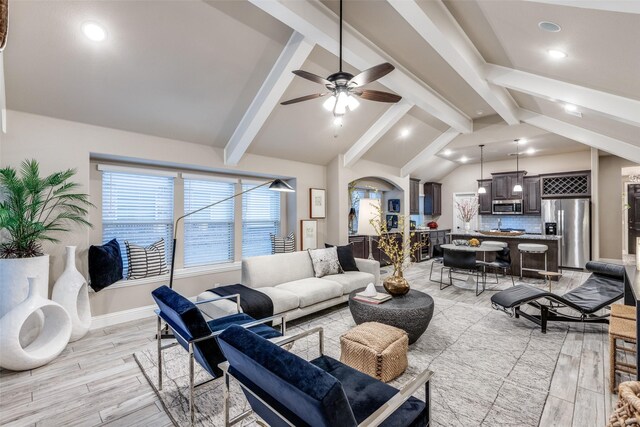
column 573, row 219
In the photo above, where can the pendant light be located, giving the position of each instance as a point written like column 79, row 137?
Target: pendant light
column 481, row 189
column 517, row 188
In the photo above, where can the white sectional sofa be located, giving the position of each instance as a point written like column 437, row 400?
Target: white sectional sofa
column 289, row 280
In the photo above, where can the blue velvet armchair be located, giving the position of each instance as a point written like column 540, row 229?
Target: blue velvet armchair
column 286, row 390
column 198, row 336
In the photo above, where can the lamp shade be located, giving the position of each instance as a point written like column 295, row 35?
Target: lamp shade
column 280, row 185
column 369, row 210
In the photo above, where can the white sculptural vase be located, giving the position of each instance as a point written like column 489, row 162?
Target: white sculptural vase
column 14, row 288
column 47, row 345
column 71, row 292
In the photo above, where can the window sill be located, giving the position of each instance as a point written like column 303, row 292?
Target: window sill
column 181, row 273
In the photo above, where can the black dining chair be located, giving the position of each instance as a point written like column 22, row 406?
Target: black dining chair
column 436, row 257
column 465, row 261
column 501, row 263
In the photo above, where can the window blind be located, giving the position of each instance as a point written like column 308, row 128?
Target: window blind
column 260, row 218
column 208, row 235
column 137, row 208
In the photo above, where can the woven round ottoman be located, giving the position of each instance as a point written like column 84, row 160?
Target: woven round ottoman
column 376, row 349
column 411, row 312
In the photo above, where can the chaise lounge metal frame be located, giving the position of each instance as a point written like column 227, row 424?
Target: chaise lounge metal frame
column 604, row 287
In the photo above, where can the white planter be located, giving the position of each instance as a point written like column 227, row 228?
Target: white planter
column 47, row 345
column 71, row 292
column 14, row 289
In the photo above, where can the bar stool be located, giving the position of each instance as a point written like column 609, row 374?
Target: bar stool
column 623, row 311
column 532, row 248
column 495, row 243
column 624, row 330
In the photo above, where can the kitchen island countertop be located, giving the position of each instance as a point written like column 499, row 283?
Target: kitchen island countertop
column 496, row 237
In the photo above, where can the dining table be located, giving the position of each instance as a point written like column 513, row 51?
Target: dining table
column 470, row 283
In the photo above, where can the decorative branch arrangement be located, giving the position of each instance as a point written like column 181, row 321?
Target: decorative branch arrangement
column 467, row 209
column 400, row 251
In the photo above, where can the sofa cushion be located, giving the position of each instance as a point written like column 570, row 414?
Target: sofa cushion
column 312, row 290
column 272, row 270
column 345, row 256
column 325, row 261
column 282, row 300
column 352, row 280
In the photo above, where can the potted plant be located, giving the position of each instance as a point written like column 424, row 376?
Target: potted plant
column 399, row 251
column 33, row 210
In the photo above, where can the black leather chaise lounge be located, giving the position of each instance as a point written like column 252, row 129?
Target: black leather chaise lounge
column 601, row 289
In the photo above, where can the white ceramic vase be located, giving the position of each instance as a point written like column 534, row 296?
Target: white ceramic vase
column 47, row 345
column 71, row 292
column 14, row 288
column 467, row 227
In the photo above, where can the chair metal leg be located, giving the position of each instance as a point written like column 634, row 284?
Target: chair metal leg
column 520, row 265
column 191, row 383
column 431, row 271
column 159, row 342
column 225, row 401
column 513, row 283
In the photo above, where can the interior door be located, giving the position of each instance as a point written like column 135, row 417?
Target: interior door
column 633, row 218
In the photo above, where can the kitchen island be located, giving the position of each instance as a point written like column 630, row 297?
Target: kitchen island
column 530, row 260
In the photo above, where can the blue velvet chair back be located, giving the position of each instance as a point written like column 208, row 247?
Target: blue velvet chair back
column 438, row 252
column 302, row 392
column 504, row 256
column 185, row 318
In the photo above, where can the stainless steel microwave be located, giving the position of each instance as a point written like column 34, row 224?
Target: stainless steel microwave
column 506, row 207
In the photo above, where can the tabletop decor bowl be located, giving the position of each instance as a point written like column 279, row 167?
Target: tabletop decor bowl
column 460, row 242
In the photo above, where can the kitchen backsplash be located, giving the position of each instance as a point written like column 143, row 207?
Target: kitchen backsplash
column 530, row 223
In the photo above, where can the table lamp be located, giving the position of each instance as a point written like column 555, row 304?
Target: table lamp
column 369, row 210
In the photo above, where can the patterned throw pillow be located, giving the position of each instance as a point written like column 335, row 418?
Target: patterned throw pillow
column 146, row 262
column 325, row 261
column 280, row 245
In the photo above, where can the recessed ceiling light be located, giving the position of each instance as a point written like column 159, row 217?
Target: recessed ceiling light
column 94, row 32
column 447, row 152
column 463, row 159
column 405, row 132
column 531, row 150
column 479, row 112
column 556, row 54
column 570, row 108
column 521, row 141
column 552, row 27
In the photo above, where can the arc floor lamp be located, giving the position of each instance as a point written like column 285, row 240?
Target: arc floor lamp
column 274, row 185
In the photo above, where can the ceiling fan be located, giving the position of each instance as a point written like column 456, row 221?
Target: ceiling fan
column 345, row 87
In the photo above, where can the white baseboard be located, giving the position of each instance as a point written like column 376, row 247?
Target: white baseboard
column 111, row 319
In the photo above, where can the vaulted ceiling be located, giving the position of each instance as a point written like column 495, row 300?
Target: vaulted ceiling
column 214, row 72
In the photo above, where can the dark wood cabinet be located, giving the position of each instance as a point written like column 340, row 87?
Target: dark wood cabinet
column 503, row 183
column 532, row 201
column 414, row 196
column 484, row 200
column 433, row 198
column 360, row 246
column 567, row 184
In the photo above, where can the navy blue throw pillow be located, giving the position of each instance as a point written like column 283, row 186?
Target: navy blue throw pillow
column 345, row 257
column 105, row 265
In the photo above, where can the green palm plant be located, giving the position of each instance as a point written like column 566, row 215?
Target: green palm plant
column 34, row 208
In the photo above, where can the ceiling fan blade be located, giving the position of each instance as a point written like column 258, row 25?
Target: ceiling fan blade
column 372, row 74
column 304, row 98
column 376, row 95
column 313, row 77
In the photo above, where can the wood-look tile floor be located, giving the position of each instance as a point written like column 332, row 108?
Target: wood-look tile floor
column 96, row 381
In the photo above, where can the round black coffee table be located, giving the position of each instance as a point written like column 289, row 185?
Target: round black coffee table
column 411, row 312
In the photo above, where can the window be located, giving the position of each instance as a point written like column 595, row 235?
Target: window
column 137, row 208
column 208, row 235
column 260, row 218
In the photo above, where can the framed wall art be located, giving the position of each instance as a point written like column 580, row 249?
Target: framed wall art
column 308, row 234
column 317, row 203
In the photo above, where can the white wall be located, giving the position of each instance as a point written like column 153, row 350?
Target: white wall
column 59, row 144
column 465, row 177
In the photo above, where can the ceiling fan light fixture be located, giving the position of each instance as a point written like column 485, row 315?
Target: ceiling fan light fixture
column 329, row 103
column 352, row 103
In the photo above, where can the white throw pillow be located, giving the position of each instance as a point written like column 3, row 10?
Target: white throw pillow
column 146, row 262
column 325, row 261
